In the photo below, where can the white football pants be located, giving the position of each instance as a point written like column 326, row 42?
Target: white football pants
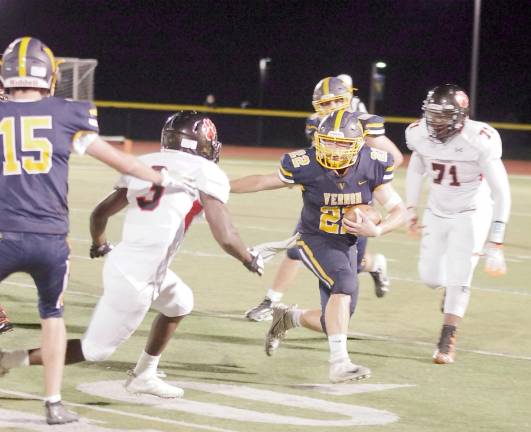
column 123, row 306
column 449, row 253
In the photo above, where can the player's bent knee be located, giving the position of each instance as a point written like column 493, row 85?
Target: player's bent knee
column 429, row 278
column 95, row 352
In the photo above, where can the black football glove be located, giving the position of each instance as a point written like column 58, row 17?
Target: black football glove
column 97, row 251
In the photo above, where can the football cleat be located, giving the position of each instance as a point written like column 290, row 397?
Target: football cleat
column 151, row 386
column 262, row 312
column 56, row 414
column 379, row 276
column 445, row 353
column 345, row 370
column 5, row 324
column 281, row 323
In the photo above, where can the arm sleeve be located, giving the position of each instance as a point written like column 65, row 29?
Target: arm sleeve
column 498, row 181
column 414, row 180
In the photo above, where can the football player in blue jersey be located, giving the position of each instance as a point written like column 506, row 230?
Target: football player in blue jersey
column 332, row 94
column 338, row 172
column 38, row 132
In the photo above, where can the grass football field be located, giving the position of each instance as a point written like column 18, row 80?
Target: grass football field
column 218, row 357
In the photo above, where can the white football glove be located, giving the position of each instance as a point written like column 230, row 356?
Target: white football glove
column 183, row 182
column 494, row 260
column 270, row 249
column 256, row 265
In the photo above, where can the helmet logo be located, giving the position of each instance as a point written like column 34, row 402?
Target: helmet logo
column 462, row 99
column 209, row 129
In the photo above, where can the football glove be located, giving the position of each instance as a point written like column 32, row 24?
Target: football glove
column 97, row 251
column 494, row 259
column 256, row 265
column 270, row 249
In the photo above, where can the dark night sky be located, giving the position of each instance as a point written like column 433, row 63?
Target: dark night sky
column 178, row 52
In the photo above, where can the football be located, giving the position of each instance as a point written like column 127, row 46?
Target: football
column 373, row 214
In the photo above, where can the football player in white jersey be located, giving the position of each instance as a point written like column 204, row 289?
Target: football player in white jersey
column 460, row 157
column 136, row 276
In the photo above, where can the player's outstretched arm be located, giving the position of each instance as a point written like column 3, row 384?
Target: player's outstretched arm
column 109, row 206
column 383, row 143
column 256, row 183
column 225, row 233
column 123, row 162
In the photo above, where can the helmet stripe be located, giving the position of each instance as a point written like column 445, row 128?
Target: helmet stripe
column 22, row 52
column 49, row 53
column 326, row 86
column 339, row 117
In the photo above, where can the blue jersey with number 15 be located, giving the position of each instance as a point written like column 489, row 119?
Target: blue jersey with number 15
column 35, row 144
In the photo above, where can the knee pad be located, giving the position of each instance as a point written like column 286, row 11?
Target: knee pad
column 174, row 301
column 456, row 300
column 95, row 352
column 428, row 277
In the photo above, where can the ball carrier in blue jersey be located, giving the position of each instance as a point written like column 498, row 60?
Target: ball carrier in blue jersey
column 332, row 94
column 37, row 134
column 335, row 174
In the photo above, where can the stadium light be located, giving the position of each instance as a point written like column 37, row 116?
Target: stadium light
column 262, row 69
column 377, row 84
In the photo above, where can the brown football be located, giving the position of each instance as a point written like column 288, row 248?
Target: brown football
column 369, row 210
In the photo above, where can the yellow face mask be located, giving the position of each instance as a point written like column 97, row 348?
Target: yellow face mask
column 335, row 152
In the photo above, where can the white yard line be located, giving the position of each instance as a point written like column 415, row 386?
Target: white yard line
column 122, row 413
column 409, row 341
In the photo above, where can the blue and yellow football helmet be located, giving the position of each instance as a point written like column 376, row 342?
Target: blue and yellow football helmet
column 338, row 140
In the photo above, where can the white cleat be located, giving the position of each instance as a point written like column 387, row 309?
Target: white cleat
column 345, row 370
column 151, row 386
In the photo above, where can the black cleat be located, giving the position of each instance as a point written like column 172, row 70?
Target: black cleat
column 56, row 413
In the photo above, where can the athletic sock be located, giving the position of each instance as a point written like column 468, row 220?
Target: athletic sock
column 146, row 365
column 53, row 399
column 274, row 296
column 338, row 347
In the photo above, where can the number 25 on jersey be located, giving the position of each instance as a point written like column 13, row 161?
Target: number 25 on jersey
column 13, row 164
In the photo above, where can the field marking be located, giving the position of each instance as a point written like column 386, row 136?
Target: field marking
column 27, row 421
column 122, row 413
column 356, row 415
column 422, row 343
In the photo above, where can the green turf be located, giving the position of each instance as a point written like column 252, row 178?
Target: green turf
column 487, row 389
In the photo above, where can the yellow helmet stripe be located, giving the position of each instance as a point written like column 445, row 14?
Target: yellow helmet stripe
column 326, row 86
column 54, row 64
column 22, row 51
column 339, row 117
